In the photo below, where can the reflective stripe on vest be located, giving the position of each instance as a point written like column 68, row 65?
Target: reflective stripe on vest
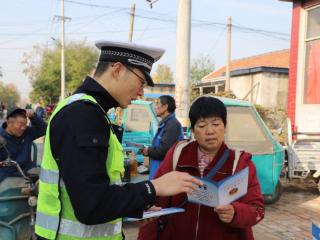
column 77, row 229
column 52, row 177
column 57, row 222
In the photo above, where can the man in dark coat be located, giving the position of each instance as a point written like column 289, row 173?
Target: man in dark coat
column 19, row 137
column 169, row 132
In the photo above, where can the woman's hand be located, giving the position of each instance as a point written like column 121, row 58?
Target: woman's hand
column 225, row 213
column 154, row 208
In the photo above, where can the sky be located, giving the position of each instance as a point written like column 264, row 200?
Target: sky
column 258, row 27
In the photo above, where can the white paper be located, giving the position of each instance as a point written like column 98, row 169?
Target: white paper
column 134, row 144
column 226, row 191
column 152, row 214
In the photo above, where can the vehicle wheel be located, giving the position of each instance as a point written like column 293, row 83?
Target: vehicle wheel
column 273, row 198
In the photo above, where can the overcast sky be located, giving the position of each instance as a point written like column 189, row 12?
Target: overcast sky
column 260, row 26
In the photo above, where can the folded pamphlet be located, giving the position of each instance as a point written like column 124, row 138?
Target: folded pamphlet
column 152, row 214
column 134, row 144
column 226, row 191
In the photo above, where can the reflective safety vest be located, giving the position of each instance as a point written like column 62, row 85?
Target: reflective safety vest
column 55, row 214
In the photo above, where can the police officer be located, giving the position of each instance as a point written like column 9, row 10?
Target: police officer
column 80, row 191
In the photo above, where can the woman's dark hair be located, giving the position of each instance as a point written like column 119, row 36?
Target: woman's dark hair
column 166, row 99
column 205, row 107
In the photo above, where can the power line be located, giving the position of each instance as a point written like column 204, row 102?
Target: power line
column 112, row 7
column 216, row 43
column 96, row 18
column 272, row 34
column 195, row 22
column 94, row 5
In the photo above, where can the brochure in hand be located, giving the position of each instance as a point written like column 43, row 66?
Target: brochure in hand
column 152, row 214
column 133, row 144
column 226, row 191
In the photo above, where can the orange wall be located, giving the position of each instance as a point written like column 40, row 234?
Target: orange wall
column 292, row 86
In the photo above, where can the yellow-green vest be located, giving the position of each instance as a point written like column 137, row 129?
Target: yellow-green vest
column 55, row 214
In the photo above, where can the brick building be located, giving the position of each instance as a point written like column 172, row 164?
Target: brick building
column 304, row 74
column 260, row 79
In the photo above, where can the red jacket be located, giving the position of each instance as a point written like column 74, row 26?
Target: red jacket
column 200, row 222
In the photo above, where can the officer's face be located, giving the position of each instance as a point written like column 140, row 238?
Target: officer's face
column 131, row 86
column 126, row 84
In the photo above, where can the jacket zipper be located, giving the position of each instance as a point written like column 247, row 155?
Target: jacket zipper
column 199, row 207
column 197, row 226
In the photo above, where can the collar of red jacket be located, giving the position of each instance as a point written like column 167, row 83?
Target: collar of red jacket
column 190, row 152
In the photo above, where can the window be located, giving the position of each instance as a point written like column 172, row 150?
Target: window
column 245, row 131
column 221, row 88
column 312, row 59
column 139, row 114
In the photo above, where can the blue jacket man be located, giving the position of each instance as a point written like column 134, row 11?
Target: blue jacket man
column 19, row 137
column 169, row 132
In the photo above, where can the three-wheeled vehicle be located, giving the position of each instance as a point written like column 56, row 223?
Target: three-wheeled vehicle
column 139, row 123
column 246, row 130
column 18, row 201
column 303, row 156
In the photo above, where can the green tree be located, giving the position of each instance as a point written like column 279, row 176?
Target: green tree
column 201, row 67
column 44, row 71
column 163, row 74
column 9, row 94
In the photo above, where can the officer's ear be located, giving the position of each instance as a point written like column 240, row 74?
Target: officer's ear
column 116, row 69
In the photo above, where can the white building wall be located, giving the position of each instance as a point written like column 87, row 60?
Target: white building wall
column 266, row 89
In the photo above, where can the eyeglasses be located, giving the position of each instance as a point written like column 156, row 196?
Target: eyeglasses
column 141, row 79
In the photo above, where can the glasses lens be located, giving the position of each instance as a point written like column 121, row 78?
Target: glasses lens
column 142, row 80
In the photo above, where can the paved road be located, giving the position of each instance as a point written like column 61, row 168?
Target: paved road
column 288, row 219
column 291, row 217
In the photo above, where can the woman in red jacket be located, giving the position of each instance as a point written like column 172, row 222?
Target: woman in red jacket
column 228, row 222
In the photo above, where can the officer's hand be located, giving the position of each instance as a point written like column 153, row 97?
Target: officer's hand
column 174, row 183
column 29, row 113
column 225, row 213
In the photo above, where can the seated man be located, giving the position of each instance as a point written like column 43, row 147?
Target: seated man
column 19, row 137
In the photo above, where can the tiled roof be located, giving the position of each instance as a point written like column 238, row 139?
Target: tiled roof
column 277, row 59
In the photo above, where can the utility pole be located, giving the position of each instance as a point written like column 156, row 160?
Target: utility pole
column 62, row 18
column 227, row 82
column 132, row 12
column 182, row 89
column 63, row 69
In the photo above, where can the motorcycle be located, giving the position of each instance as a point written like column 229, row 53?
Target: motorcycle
column 18, row 200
